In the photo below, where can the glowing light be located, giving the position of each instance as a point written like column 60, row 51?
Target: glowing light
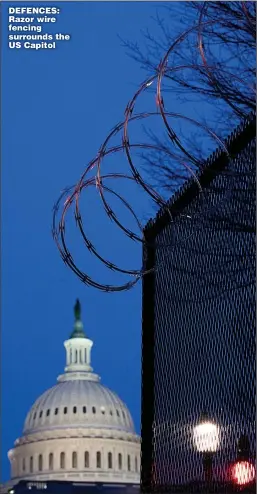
column 243, row 472
column 206, row 437
column 149, row 84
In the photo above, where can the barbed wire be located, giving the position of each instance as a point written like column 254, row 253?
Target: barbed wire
column 70, row 197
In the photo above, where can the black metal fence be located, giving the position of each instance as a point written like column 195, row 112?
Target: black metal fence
column 198, row 339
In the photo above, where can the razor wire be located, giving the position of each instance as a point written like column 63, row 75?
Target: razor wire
column 70, row 197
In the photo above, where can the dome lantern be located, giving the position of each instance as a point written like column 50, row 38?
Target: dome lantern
column 78, row 350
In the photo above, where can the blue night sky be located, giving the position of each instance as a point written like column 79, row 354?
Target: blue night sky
column 58, row 107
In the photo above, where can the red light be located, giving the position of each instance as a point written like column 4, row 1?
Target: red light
column 243, row 472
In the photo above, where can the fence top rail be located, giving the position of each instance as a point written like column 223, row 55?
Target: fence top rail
column 216, row 162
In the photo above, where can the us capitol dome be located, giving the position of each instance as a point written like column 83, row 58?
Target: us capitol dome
column 78, row 430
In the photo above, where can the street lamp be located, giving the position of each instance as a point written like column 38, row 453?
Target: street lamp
column 206, row 439
column 243, row 471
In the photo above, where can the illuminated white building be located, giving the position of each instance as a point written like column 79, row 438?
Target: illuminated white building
column 78, row 430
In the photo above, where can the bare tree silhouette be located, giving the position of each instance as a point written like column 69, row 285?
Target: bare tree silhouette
column 213, row 67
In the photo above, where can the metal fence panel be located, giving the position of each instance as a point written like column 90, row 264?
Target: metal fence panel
column 198, row 344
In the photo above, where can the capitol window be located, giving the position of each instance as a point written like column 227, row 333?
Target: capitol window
column 31, row 464
column 98, row 459
column 110, row 412
column 117, row 411
column 93, row 409
column 86, row 459
column 41, row 413
column 65, row 410
column 74, row 409
column 129, row 466
column 136, row 465
column 35, row 415
column 84, row 409
column 40, row 463
column 56, row 411
column 109, row 460
column 120, row 461
column 23, row 464
column 48, row 412
column 51, row 461
column 74, row 460
column 62, row 460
